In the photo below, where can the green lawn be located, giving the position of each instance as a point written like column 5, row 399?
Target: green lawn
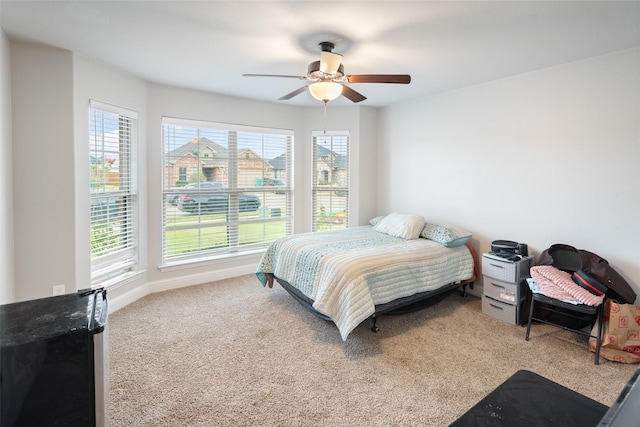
column 197, row 233
column 210, row 232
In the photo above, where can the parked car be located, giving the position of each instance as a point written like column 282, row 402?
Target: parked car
column 197, row 202
column 173, row 197
column 270, row 182
column 104, row 208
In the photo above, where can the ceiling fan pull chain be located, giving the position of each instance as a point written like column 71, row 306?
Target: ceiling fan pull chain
column 325, row 117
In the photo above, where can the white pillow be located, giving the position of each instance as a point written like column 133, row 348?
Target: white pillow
column 396, row 224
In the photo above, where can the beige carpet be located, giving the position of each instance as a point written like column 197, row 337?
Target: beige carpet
column 232, row 353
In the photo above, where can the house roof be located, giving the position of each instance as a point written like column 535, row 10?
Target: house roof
column 339, row 161
column 196, row 147
column 279, row 162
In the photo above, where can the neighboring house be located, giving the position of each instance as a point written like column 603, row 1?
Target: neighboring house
column 200, row 155
column 331, row 167
column 278, row 166
column 203, row 157
column 252, row 167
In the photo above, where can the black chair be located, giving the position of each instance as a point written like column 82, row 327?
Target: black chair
column 566, row 311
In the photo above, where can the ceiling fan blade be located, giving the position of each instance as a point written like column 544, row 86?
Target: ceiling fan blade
column 379, row 78
column 330, row 62
column 275, row 75
column 292, row 94
column 351, row 94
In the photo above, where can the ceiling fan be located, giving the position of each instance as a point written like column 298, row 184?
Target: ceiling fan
column 328, row 81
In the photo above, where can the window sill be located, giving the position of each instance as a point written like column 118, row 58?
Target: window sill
column 121, row 280
column 204, row 261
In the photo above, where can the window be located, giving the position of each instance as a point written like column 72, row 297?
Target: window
column 330, row 180
column 113, row 192
column 238, row 195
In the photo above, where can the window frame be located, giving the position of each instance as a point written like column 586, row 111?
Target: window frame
column 233, row 189
column 120, row 221
column 337, row 195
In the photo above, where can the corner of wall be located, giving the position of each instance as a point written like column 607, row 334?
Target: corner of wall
column 7, row 276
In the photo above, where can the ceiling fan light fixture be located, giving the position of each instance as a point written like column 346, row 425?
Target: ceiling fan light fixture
column 327, row 79
column 325, row 91
column 330, row 62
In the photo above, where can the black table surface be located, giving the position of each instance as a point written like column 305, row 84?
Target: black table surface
column 528, row 399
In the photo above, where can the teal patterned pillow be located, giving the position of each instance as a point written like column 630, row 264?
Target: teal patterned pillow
column 446, row 235
column 376, row 220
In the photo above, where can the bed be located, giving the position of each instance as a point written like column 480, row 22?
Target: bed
column 350, row 275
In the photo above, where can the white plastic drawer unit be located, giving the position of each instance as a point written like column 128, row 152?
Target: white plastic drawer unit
column 503, row 291
column 499, row 310
column 505, row 270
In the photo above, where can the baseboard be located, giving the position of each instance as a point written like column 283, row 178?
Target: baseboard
column 200, row 278
column 131, row 296
column 477, row 288
column 119, row 301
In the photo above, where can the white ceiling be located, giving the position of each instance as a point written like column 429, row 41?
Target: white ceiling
column 443, row 45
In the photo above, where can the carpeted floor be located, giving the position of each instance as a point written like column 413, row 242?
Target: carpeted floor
column 232, row 353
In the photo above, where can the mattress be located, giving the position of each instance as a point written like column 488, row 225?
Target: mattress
column 348, row 272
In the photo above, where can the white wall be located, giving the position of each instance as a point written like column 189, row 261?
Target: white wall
column 51, row 89
column 6, row 177
column 546, row 157
column 43, row 169
column 364, row 159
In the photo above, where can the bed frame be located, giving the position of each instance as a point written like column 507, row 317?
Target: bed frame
column 398, row 306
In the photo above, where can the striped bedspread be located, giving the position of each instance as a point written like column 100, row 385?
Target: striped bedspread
column 347, row 272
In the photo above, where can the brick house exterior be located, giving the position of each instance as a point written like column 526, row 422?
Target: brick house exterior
column 208, row 160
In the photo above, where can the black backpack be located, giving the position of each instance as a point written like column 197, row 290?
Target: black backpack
column 570, row 259
column 598, row 268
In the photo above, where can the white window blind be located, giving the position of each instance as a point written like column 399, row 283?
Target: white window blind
column 226, row 188
column 113, row 192
column 330, row 180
